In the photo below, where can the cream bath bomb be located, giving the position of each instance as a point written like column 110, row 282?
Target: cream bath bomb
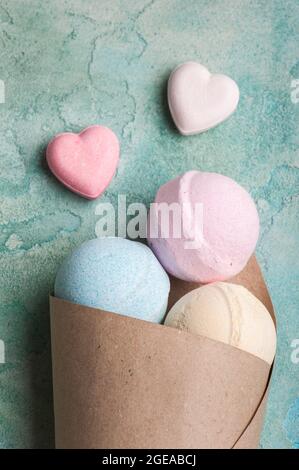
column 228, row 313
column 218, row 232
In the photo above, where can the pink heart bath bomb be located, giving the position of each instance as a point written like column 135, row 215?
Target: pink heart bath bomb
column 86, row 162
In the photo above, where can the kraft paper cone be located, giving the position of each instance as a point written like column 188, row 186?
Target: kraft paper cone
column 125, row 383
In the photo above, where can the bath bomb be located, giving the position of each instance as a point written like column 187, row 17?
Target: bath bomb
column 198, row 99
column 218, row 222
column 116, row 275
column 228, row 313
column 86, row 162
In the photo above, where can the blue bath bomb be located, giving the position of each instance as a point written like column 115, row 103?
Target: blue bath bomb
column 116, row 275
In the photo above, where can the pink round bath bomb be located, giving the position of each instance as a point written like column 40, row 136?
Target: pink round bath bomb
column 215, row 233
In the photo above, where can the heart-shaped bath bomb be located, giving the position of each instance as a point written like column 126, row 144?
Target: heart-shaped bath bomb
column 199, row 100
column 85, row 163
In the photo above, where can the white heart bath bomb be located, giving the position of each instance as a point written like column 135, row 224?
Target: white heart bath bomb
column 199, row 100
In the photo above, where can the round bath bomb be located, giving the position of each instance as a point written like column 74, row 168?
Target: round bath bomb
column 228, row 313
column 215, row 234
column 116, row 275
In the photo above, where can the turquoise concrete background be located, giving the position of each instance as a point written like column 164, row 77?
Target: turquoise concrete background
column 69, row 64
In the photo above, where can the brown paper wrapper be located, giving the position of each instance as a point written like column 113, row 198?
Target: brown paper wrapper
column 126, row 383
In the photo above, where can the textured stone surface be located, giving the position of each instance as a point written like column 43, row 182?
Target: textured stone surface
column 70, row 64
